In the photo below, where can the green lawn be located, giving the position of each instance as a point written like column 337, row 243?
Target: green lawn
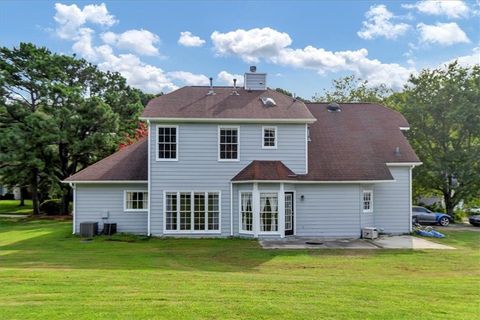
column 46, row 273
column 11, row 207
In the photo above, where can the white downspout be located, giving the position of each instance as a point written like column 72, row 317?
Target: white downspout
column 281, row 210
column 231, row 209
column 149, row 179
column 410, row 197
column 74, row 187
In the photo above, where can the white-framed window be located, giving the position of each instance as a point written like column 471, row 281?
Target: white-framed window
column 167, row 143
column 367, row 201
column 135, row 200
column 269, row 137
column 246, row 211
column 192, row 212
column 228, row 143
column 268, row 212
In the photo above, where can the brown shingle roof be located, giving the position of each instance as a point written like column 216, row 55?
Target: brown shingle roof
column 265, row 170
column 129, row 164
column 355, row 144
column 351, row 145
column 193, row 102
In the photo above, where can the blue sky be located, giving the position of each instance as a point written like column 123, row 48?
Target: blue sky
column 302, row 45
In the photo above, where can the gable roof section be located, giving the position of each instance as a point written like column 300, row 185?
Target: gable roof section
column 265, row 170
column 128, row 164
column 356, row 143
column 194, row 103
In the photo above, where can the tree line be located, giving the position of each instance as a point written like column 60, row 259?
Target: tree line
column 59, row 114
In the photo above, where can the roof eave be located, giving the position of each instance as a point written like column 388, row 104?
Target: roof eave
column 229, row 120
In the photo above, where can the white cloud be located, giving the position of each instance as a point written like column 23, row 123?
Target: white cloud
column 70, row 18
column 378, row 24
column 138, row 74
column 272, row 46
column 83, row 44
column 468, row 60
column 139, row 41
column 250, row 45
column 449, row 8
column 190, row 79
column 187, row 39
column 70, row 26
column 442, row 33
column 226, row 78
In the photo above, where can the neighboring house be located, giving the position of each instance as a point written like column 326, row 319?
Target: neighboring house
column 222, row 161
column 15, row 191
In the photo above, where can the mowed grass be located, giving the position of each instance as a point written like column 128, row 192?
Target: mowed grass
column 12, row 207
column 46, row 273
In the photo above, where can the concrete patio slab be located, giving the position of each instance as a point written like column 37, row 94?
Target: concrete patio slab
column 393, row 242
column 409, row 242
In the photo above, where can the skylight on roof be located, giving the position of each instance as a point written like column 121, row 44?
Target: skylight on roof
column 268, row 102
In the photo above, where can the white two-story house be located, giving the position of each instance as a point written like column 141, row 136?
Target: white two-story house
column 227, row 161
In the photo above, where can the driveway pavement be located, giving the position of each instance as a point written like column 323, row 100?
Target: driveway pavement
column 393, row 242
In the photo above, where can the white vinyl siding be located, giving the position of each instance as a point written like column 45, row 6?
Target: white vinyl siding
column 198, row 167
column 105, row 203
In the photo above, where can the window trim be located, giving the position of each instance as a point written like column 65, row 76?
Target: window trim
column 177, row 143
column 192, row 209
column 276, row 137
column 240, row 226
column 218, row 143
column 125, row 200
column 371, row 200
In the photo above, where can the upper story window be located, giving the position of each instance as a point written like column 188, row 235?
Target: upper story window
column 136, row 200
column 367, row 201
column 228, row 143
column 167, row 143
column 269, row 137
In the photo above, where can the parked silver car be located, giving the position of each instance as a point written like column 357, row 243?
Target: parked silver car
column 424, row 216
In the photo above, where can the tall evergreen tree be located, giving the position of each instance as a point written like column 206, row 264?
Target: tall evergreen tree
column 61, row 114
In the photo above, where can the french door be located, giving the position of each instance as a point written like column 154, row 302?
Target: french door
column 289, row 214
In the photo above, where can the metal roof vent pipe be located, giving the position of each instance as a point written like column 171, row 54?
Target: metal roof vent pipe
column 334, row 107
column 211, row 92
column 235, row 92
column 397, row 151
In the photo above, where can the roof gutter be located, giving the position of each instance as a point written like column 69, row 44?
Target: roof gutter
column 313, row 181
column 403, row 164
column 228, row 120
column 105, row 181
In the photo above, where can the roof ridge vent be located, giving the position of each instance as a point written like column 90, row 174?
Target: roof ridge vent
column 211, row 92
column 234, row 92
column 333, row 107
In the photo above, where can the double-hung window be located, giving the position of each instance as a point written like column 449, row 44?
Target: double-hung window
column 136, row 200
column 246, row 211
column 228, row 143
column 367, row 201
column 192, row 211
column 269, row 137
column 167, row 143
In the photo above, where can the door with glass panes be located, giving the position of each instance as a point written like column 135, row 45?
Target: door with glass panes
column 289, row 214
